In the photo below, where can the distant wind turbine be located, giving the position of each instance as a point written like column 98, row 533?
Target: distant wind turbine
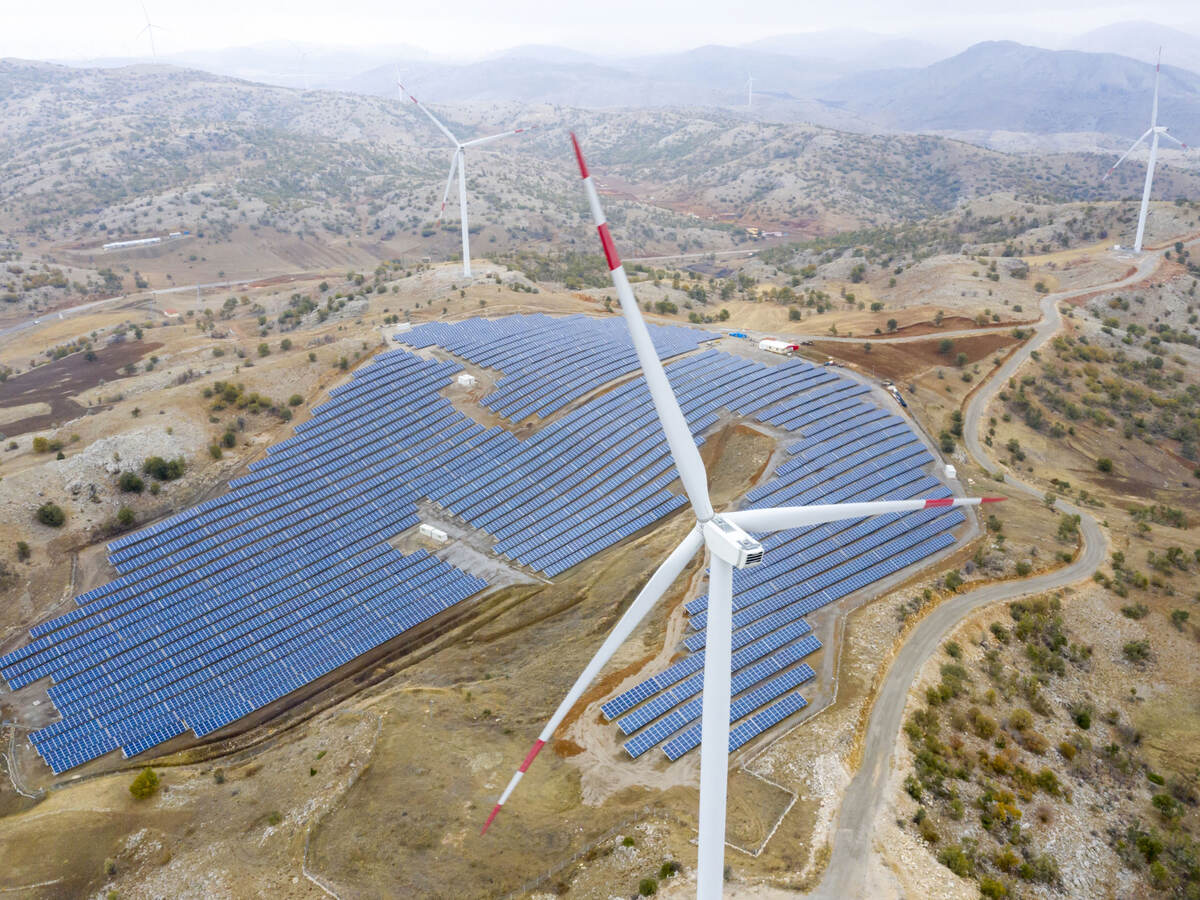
column 149, row 30
column 1154, row 132
column 457, row 161
column 750, row 90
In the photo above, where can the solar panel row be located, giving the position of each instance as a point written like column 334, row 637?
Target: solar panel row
column 234, row 603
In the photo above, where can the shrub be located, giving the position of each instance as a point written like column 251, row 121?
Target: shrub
column 23, row 551
column 214, row 450
column 295, row 400
column 1137, row 651
column 285, row 344
column 992, row 887
column 1104, row 464
column 627, row 841
column 264, row 349
column 1020, row 719
column 145, row 785
column 929, row 831
column 667, row 869
column 953, row 648
column 163, row 469
column 1083, row 718
column 647, row 886
column 1168, row 807
column 1179, row 618
column 1043, row 869
column 125, row 517
column 51, row 514
column 1067, row 750
column 1137, row 611
column 130, row 483
column 956, row 860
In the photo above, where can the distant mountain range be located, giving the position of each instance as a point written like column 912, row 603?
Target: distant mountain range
column 1008, row 86
column 851, row 80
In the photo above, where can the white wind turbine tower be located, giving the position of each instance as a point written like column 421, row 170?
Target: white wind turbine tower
column 1154, row 132
column 730, row 544
column 458, row 161
column 149, row 30
column 749, row 90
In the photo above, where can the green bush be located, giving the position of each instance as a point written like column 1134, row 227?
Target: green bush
column 1104, row 464
column 295, row 400
column 125, row 517
column 130, row 483
column 647, row 886
column 956, row 860
column 163, row 469
column 51, row 514
column 992, row 887
column 23, row 551
column 667, row 869
column 1137, row 651
column 145, row 785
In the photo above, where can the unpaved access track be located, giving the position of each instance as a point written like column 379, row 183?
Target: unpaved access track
column 853, row 841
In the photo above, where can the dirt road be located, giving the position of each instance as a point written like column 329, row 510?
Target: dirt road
column 853, row 840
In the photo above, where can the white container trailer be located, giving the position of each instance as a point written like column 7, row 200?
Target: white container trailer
column 467, row 380
column 773, row 346
column 435, row 534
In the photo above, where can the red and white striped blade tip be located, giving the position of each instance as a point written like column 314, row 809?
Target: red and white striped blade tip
column 490, row 819
column 583, row 169
column 992, row 499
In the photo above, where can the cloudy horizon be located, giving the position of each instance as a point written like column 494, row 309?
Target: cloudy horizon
column 73, row 30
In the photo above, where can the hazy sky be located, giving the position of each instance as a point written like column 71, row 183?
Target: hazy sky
column 465, row 28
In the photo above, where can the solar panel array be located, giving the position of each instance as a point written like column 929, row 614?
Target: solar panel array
column 242, row 599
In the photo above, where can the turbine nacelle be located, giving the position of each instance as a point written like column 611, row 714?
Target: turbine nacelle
column 729, row 543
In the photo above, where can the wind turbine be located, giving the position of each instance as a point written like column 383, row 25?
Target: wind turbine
column 149, row 30
column 1154, row 132
column 728, row 538
column 749, row 90
column 458, row 161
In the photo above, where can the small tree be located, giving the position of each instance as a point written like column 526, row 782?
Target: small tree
column 1104, row 464
column 51, row 514
column 145, row 785
column 125, row 517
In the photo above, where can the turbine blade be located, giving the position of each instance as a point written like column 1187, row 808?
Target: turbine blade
column 657, row 585
column 449, row 182
column 674, row 425
column 1127, row 152
column 781, row 518
column 496, row 137
column 432, row 117
column 714, row 730
column 1171, row 137
column 1157, row 72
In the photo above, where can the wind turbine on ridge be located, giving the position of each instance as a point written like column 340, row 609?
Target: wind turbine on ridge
column 458, row 161
column 730, row 543
column 749, row 90
column 1154, row 132
column 149, row 30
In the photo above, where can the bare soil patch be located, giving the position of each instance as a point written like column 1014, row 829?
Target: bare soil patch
column 903, row 361
column 55, row 383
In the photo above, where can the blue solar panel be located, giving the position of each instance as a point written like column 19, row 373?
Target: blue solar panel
column 248, row 596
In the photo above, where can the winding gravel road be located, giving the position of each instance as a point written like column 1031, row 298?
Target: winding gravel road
column 846, row 875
